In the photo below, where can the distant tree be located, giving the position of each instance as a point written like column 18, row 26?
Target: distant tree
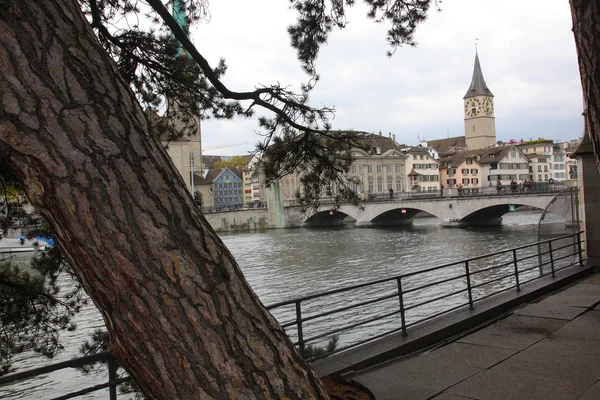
column 235, row 161
column 180, row 315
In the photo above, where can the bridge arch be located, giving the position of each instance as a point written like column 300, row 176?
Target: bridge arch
column 489, row 211
column 452, row 211
column 326, row 217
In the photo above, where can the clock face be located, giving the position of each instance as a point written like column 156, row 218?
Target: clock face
column 472, row 107
column 488, row 107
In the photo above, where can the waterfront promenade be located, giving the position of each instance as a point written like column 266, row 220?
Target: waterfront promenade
column 547, row 348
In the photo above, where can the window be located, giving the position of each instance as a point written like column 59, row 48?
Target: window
column 378, row 169
column 399, row 187
column 369, row 169
column 389, row 185
column 539, row 168
column 379, row 186
column 398, row 168
column 353, row 169
column 388, row 168
column 422, row 157
column 370, row 186
column 360, row 169
column 465, row 181
column 464, row 171
column 474, row 171
column 469, row 162
column 545, row 177
column 539, row 178
column 545, row 168
column 475, row 181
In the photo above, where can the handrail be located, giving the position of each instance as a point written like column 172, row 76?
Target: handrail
column 409, row 274
column 104, row 357
column 477, row 282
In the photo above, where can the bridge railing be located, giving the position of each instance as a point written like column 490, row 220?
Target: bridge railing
column 454, row 191
column 474, row 191
column 361, row 313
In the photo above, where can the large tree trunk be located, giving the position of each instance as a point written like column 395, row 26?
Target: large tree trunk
column 181, row 317
column 586, row 29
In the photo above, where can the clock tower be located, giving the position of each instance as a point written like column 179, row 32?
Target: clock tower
column 480, row 125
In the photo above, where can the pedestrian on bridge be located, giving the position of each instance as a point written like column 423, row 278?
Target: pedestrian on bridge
column 498, row 185
column 391, row 193
column 513, row 186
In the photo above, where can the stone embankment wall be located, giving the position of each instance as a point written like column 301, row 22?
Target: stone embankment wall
column 243, row 220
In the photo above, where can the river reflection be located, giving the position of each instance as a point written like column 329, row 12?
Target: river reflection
column 283, row 264
column 288, row 263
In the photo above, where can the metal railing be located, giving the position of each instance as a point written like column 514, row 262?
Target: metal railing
column 409, row 299
column 111, row 384
column 361, row 313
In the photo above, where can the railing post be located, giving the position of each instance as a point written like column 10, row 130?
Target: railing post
column 551, row 258
column 112, row 378
column 299, row 327
column 579, row 249
column 516, row 270
column 468, row 274
column 401, row 299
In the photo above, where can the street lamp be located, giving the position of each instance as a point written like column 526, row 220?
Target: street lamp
column 192, row 174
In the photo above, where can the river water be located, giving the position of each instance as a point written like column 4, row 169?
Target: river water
column 287, row 263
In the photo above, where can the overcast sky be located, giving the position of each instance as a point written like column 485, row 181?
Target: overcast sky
column 526, row 49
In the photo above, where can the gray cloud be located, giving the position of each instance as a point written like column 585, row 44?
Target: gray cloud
column 526, row 49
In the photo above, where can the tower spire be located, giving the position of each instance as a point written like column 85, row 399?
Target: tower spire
column 179, row 13
column 478, row 86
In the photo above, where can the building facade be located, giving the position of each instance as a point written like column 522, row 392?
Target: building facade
column 423, row 170
column 462, row 169
column 227, row 188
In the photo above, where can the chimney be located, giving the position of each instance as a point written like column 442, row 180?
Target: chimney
column 394, row 137
column 380, row 133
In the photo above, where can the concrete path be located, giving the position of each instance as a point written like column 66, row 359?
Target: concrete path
column 547, row 349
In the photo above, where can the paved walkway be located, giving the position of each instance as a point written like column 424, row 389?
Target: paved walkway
column 547, row 349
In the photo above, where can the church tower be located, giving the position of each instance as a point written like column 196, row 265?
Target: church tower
column 185, row 151
column 480, row 125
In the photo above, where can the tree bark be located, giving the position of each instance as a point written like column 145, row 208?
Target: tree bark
column 181, row 317
column 586, row 29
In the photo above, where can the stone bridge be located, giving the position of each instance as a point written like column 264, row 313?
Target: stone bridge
column 452, row 211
